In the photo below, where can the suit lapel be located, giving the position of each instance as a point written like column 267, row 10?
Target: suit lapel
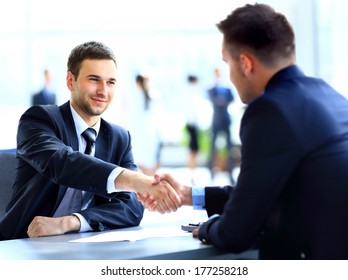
column 70, row 126
column 103, row 143
column 70, row 141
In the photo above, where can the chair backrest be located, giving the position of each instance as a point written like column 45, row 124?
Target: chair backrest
column 8, row 163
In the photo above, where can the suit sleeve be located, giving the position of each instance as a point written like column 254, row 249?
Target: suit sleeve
column 216, row 198
column 270, row 153
column 41, row 142
column 123, row 210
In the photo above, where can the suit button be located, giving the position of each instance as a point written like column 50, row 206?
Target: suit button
column 302, row 255
column 204, row 240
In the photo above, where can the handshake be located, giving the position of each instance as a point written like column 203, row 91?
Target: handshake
column 161, row 193
column 165, row 195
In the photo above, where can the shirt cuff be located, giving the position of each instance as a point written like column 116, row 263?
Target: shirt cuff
column 110, row 187
column 198, row 198
column 84, row 224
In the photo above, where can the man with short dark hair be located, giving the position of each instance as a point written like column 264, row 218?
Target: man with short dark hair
column 60, row 185
column 291, row 197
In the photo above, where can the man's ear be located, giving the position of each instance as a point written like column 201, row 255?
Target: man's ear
column 247, row 63
column 70, row 80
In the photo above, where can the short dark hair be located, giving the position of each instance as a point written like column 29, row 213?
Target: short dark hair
column 259, row 29
column 88, row 50
column 192, row 78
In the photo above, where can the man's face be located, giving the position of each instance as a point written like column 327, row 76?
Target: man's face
column 238, row 77
column 94, row 88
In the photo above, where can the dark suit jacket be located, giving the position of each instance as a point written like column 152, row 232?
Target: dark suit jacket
column 44, row 97
column 49, row 161
column 292, row 192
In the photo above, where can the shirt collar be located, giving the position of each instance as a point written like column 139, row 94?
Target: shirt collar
column 80, row 124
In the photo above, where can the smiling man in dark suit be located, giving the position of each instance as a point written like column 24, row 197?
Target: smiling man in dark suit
column 54, row 172
column 291, row 197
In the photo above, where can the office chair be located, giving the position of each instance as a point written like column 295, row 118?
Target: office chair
column 8, row 150
column 8, row 163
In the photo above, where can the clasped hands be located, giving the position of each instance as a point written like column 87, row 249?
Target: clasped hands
column 172, row 196
column 175, row 196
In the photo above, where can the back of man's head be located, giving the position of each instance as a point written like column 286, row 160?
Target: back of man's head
column 261, row 30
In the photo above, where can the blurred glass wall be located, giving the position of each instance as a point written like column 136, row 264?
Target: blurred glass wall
column 172, row 38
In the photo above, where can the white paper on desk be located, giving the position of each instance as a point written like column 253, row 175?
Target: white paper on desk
column 134, row 235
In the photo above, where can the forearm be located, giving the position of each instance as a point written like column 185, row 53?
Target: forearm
column 71, row 223
column 46, row 226
column 134, row 181
column 186, row 195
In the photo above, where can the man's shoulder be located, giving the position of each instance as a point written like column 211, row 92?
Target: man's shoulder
column 44, row 112
column 113, row 128
column 42, row 108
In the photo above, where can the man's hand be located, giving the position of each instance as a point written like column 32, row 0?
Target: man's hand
column 46, row 226
column 167, row 199
column 149, row 201
column 195, row 232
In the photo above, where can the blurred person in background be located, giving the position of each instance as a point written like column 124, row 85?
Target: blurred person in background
column 143, row 125
column 221, row 98
column 45, row 95
column 192, row 110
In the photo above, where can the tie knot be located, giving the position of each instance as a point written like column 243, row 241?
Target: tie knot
column 90, row 135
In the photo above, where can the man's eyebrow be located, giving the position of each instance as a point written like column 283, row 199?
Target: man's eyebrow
column 93, row 76
column 99, row 77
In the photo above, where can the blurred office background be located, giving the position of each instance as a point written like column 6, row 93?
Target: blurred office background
column 166, row 39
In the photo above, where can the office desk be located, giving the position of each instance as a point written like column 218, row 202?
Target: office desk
column 63, row 247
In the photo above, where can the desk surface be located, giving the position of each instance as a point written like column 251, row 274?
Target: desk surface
column 182, row 247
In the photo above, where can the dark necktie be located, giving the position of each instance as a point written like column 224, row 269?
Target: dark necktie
column 90, row 135
column 77, row 200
